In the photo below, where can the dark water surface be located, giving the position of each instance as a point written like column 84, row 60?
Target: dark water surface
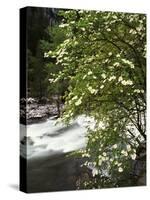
column 56, row 173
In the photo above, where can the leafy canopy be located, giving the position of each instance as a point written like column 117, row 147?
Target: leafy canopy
column 104, row 60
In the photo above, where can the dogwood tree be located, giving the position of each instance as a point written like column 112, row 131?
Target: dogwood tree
column 104, row 61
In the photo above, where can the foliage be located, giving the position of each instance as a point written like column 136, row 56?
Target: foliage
column 56, row 91
column 104, row 60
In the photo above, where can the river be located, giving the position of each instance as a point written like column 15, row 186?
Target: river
column 46, row 149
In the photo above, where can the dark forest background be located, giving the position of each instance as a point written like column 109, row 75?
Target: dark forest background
column 43, row 35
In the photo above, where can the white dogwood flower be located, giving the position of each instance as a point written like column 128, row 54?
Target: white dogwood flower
column 112, row 78
column 104, row 154
column 74, row 98
column 133, row 156
column 128, row 82
column 63, row 25
column 94, row 171
column 125, row 153
column 103, row 76
column 128, row 147
column 120, row 169
column 120, row 78
column 92, row 91
column 77, row 103
column 90, row 72
column 102, row 86
column 114, row 146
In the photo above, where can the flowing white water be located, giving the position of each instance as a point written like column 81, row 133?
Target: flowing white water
column 49, row 138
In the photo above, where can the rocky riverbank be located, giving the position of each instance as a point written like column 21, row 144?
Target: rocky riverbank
column 34, row 111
